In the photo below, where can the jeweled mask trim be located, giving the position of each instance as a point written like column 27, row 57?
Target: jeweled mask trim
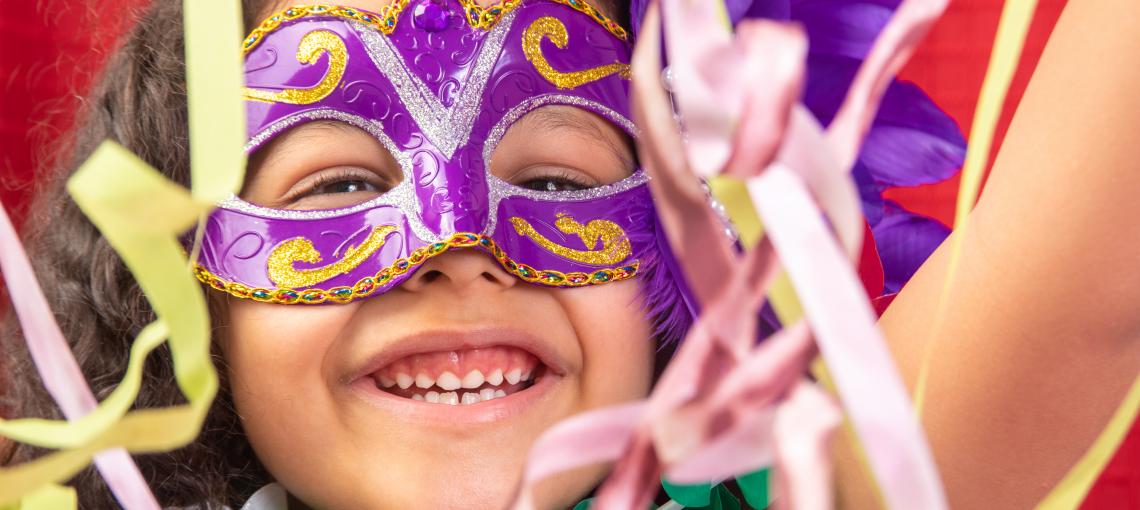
column 386, row 277
column 385, row 21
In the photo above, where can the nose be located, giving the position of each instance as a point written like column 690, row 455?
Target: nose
column 462, row 270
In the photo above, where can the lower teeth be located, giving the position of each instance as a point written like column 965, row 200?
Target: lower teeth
column 468, row 397
column 454, row 398
column 465, row 397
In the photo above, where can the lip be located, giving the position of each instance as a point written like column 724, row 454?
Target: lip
column 361, row 383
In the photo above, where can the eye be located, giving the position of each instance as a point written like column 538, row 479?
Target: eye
column 553, row 179
column 336, row 187
column 562, row 148
column 552, row 184
column 344, row 186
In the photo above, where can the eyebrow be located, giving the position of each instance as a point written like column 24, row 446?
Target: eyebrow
column 554, row 119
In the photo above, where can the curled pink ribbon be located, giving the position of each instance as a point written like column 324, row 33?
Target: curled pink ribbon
column 724, row 406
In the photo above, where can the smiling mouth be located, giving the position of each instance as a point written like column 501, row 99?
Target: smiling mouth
column 460, row 377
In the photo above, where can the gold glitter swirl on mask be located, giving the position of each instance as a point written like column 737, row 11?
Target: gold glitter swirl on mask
column 548, row 27
column 386, row 277
column 285, row 275
column 313, row 45
column 615, row 244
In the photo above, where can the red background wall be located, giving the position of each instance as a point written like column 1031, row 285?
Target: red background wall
column 49, row 52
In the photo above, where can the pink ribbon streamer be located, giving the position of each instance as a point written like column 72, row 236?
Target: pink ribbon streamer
column 722, row 405
column 708, row 124
column 717, row 374
column 803, row 430
column 58, row 369
column 851, row 344
column 805, row 151
column 591, row 437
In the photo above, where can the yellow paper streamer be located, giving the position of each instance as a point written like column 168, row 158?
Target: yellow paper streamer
column 154, row 256
column 1016, row 17
column 733, row 195
column 1015, row 20
column 140, row 431
column 214, row 80
column 69, row 434
column 52, row 496
column 1075, row 486
column 142, row 214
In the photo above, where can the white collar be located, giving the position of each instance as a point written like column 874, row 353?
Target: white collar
column 269, row 497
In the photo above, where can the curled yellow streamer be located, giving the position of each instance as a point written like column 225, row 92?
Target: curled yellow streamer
column 142, row 214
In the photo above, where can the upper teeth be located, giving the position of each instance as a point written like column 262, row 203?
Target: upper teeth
column 404, row 380
column 473, row 379
column 495, row 378
column 448, row 381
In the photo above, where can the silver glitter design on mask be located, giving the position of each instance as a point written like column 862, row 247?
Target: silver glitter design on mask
column 402, row 195
column 530, row 104
column 446, row 128
column 500, row 189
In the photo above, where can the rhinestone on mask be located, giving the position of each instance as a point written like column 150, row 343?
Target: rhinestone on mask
column 431, row 16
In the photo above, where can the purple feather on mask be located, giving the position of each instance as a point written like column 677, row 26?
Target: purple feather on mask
column 911, row 141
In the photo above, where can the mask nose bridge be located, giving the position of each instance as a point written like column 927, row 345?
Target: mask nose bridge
column 465, row 245
column 453, row 193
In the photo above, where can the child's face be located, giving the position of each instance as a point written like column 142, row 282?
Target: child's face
column 330, row 395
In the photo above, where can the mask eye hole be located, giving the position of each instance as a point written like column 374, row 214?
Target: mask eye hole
column 553, row 179
column 320, row 165
column 563, row 148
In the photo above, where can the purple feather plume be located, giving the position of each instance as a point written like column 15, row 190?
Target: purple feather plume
column 911, row 141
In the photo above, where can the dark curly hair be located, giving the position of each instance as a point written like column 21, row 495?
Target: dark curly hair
column 139, row 102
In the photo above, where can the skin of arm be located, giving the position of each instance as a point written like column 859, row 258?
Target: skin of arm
column 1041, row 337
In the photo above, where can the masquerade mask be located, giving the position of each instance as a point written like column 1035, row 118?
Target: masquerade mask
column 438, row 85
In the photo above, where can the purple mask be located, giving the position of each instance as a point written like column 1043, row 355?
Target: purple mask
column 438, row 85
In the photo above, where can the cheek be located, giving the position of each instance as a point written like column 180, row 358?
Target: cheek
column 266, row 343
column 617, row 365
column 276, row 358
column 616, row 342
